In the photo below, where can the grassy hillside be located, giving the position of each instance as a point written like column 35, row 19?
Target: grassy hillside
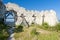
column 36, row 32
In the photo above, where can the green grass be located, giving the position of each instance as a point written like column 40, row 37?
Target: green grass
column 52, row 36
column 3, row 31
column 25, row 36
column 32, row 33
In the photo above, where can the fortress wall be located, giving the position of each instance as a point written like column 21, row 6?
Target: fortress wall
column 50, row 16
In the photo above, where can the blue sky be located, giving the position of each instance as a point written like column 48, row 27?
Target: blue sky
column 38, row 5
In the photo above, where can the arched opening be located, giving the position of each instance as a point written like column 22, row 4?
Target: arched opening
column 10, row 18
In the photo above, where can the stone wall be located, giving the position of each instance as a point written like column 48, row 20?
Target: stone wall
column 49, row 15
column 2, row 10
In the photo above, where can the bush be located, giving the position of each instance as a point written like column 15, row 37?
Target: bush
column 3, row 31
column 34, row 32
column 57, row 26
column 45, row 25
column 19, row 28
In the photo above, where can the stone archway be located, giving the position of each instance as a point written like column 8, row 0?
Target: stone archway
column 10, row 17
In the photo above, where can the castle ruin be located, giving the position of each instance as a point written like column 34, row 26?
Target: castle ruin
column 38, row 17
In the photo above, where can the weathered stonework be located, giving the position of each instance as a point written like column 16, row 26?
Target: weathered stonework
column 50, row 16
column 40, row 16
column 2, row 10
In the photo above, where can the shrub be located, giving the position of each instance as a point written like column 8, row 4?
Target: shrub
column 3, row 31
column 34, row 32
column 45, row 25
column 58, row 26
column 19, row 28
